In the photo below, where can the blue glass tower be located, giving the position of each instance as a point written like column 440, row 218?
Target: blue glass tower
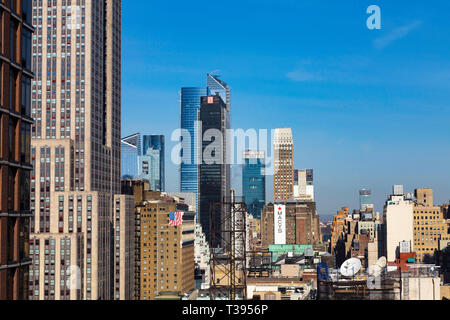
column 130, row 150
column 254, row 182
column 152, row 161
column 190, row 105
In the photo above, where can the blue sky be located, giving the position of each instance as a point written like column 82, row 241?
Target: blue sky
column 368, row 108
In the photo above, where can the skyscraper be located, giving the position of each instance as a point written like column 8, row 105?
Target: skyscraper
column 76, row 146
column 151, row 163
column 15, row 123
column 254, row 182
column 190, row 106
column 217, row 86
column 130, row 152
column 214, row 170
column 283, row 153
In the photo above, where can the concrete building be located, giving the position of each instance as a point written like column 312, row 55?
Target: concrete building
column 166, row 251
column 76, row 105
column 430, row 227
column 283, row 157
column 398, row 216
column 301, row 224
column 15, row 160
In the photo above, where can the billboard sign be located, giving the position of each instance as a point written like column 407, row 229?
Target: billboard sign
column 279, row 224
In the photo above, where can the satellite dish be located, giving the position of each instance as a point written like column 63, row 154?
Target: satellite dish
column 350, row 267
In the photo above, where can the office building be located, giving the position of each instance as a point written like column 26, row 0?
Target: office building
column 190, row 106
column 254, row 182
column 15, row 165
column 152, row 162
column 76, row 104
column 304, row 184
column 130, row 148
column 214, row 170
column 283, row 157
column 365, row 199
column 398, row 218
column 167, row 254
column 430, row 226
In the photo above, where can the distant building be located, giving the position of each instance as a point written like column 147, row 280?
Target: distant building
column 304, row 184
column 152, row 162
column 365, row 199
column 254, row 182
column 130, row 151
column 283, row 155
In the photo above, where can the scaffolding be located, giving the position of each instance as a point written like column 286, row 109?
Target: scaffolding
column 228, row 263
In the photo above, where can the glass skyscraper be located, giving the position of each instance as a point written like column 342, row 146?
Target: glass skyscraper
column 217, row 86
column 190, row 105
column 131, row 150
column 254, row 182
column 152, row 161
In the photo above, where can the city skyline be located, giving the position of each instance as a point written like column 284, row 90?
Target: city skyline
column 356, row 119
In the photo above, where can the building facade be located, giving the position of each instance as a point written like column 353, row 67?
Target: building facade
column 214, row 170
column 283, row 155
column 254, row 182
column 15, row 159
column 76, row 104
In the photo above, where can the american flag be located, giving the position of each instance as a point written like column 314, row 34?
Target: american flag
column 175, row 219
